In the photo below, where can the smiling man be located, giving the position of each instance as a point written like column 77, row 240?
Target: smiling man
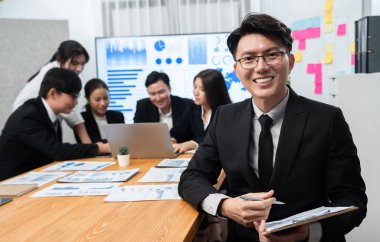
column 161, row 106
column 32, row 135
column 275, row 145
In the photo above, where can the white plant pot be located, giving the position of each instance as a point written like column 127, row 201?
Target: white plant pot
column 123, row 160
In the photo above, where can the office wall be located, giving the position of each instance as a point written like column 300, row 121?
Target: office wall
column 343, row 12
column 83, row 23
column 21, row 55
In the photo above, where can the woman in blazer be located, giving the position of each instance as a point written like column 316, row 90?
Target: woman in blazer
column 209, row 92
column 96, row 114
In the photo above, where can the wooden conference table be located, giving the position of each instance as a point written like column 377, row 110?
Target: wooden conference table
column 91, row 219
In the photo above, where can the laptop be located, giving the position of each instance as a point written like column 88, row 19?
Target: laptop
column 144, row 140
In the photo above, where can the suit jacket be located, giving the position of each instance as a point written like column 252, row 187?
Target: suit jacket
column 191, row 126
column 316, row 164
column 112, row 117
column 29, row 141
column 146, row 112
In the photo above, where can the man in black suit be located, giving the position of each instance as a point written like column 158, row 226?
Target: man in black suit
column 313, row 160
column 32, row 135
column 161, row 106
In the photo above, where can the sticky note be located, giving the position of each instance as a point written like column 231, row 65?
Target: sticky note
column 318, row 89
column 352, row 59
column 295, row 34
column 328, row 58
column 341, row 29
column 328, row 17
column 328, row 5
column 310, row 69
column 301, row 44
column 318, row 68
column 318, row 79
column 298, row 56
column 328, row 28
column 352, row 48
column 315, row 32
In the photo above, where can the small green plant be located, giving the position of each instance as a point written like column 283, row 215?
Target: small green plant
column 123, row 150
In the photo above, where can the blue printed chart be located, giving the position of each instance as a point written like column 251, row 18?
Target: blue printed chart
column 124, row 62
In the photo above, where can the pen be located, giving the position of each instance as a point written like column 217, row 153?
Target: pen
column 252, row 198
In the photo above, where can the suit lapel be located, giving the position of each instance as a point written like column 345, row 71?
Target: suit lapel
column 290, row 139
column 241, row 139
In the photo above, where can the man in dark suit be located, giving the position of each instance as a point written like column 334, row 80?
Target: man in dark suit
column 32, row 135
column 312, row 158
column 161, row 106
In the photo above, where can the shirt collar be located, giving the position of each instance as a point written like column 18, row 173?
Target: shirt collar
column 275, row 113
column 52, row 115
column 169, row 114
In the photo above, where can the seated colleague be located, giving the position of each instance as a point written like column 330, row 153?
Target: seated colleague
column 96, row 114
column 160, row 106
column 309, row 161
column 70, row 55
column 209, row 92
column 32, row 136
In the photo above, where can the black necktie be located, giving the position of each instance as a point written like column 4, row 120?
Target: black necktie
column 58, row 130
column 265, row 150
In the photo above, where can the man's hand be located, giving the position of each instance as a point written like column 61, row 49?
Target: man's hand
column 295, row 234
column 103, row 147
column 246, row 212
column 183, row 147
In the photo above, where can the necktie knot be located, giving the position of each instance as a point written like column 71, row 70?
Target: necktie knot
column 265, row 122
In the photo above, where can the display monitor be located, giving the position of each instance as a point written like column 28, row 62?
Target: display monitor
column 124, row 63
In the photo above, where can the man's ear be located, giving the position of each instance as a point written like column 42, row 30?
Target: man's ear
column 52, row 93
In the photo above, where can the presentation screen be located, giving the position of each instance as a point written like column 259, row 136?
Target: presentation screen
column 124, row 63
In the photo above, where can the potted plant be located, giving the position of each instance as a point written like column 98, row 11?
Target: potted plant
column 123, row 156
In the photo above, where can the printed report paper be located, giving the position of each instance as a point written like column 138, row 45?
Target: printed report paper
column 76, row 189
column 79, row 166
column 144, row 193
column 100, row 176
column 39, row 178
column 174, row 163
column 162, row 175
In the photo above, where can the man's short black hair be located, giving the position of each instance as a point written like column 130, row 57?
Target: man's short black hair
column 63, row 80
column 259, row 23
column 156, row 76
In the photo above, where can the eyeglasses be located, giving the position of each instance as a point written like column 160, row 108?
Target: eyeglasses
column 271, row 59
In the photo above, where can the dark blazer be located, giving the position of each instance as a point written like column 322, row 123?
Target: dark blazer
column 29, row 141
column 146, row 112
column 316, row 164
column 191, row 126
column 112, row 117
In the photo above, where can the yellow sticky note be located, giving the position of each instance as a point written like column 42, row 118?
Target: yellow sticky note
column 328, row 58
column 298, row 56
column 328, row 28
column 328, row 5
column 329, row 47
column 352, row 48
column 328, row 17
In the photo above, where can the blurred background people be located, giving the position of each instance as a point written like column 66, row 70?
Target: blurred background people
column 210, row 92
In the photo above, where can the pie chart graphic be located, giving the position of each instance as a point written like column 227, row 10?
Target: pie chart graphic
column 159, row 45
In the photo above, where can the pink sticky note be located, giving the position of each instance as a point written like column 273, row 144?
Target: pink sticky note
column 318, row 68
column 318, row 79
column 318, row 89
column 310, row 69
column 301, row 44
column 341, row 29
column 295, row 34
column 353, row 59
column 315, row 32
column 302, row 34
